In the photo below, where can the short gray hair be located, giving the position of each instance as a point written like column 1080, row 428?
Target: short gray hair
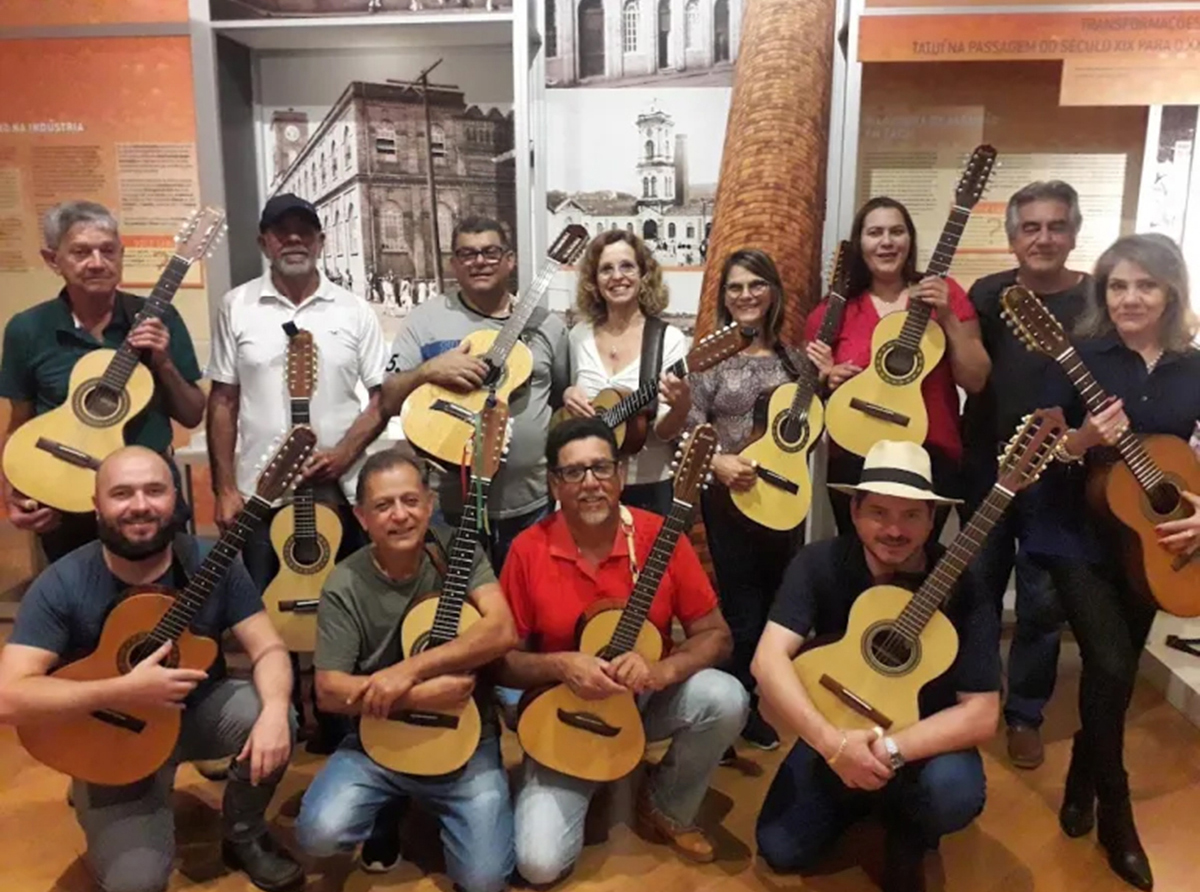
column 60, row 218
column 1048, row 190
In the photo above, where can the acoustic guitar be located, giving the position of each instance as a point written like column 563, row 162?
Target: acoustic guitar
column 120, row 746
column 603, row 740
column 898, row 641
column 53, row 458
column 305, row 535
column 884, row 401
column 439, row 421
column 625, row 410
column 433, row 743
column 788, row 422
column 1140, row 491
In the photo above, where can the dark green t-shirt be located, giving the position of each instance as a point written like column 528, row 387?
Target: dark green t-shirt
column 361, row 609
column 42, row 345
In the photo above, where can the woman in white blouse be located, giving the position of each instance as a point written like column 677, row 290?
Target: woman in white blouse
column 620, row 285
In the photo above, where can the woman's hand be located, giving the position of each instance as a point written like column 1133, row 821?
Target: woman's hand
column 934, row 291
column 821, row 355
column 735, row 472
column 576, row 402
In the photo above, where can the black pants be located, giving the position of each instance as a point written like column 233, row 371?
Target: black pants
column 657, row 497
column 1111, row 624
column 846, row 468
column 749, row 561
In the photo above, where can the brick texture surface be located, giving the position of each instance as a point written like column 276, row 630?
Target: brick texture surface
column 771, row 193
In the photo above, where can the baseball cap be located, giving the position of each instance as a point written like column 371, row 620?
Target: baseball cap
column 281, row 205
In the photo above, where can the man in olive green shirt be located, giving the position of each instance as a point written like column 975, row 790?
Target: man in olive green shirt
column 43, row 343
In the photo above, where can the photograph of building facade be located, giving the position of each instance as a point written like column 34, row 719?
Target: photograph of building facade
column 663, row 207
column 253, row 8
column 603, row 42
column 364, row 167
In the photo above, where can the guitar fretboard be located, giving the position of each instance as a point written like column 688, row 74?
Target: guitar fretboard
column 1145, row 471
column 633, row 403
column 189, row 601
column 304, row 509
column 919, row 312
column 809, row 378
column 460, row 563
column 497, row 355
column 116, row 376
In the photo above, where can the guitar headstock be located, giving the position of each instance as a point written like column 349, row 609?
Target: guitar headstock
column 285, row 464
column 199, row 234
column 569, row 245
column 719, row 346
column 1031, row 449
column 1033, row 323
column 839, row 275
column 495, row 432
column 974, row 179
column 301, row 365
column 693, row 463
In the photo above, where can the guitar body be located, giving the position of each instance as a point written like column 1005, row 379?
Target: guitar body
column 631, row 435
column 884, row 402
column 851, row 663
column 133, row 743
column 1171, row 581
column 425, row 744
column 439, row 421
column 95, row 431
column 596, row 740
column 300, row 580
column 782, row 495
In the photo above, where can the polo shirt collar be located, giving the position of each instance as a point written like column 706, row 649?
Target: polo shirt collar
column 324, row 291
column 1112, row 343
column 124, row 311
column 562, row 543
column 856, row 560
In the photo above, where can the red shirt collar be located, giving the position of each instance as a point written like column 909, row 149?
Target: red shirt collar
column 562, row 543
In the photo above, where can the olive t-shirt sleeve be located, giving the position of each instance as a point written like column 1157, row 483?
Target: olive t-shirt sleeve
column 339, row 637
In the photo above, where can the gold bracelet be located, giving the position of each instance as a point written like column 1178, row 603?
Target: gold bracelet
column 841, row 749
column 1063, row 454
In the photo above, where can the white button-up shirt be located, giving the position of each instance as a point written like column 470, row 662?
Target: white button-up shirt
column 249, row 349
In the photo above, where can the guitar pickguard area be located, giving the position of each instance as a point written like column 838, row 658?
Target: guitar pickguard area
column 891, row 355
column 88, row 406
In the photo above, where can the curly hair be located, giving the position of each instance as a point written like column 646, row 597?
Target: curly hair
column 652, row 291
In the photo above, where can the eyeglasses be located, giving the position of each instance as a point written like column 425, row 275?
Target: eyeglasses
column 490, row 254
column 625, row 268
column 601, row 470
column 758, row 289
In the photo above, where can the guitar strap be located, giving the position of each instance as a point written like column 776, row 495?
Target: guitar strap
column 653, row 333
column 437, row 553
column 627, row 529
column 785, row 359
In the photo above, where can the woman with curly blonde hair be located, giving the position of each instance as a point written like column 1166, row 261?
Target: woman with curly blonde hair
column 620, row 287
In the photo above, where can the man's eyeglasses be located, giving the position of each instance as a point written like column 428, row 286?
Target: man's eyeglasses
column 601, row 470
column 490, row 254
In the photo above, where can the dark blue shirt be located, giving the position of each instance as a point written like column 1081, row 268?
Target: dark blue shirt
column 1164, row 401
column 825, row 578
column 65, row 608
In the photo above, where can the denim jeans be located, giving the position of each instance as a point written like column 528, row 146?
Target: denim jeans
column 472, row 805
column 702, row 717
column 808, row 807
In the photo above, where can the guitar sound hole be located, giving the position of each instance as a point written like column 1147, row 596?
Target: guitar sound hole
column 307, row 552
column 1164, row 498
column 139, row 647
column 890, row 649
column 102, row 402
column 791, row 429
column 899, row 361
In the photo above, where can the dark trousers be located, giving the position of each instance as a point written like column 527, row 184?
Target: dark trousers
column 1111, row 624
column 749, row 562
column 808, row 807
column 657, row 497
column 846, row 468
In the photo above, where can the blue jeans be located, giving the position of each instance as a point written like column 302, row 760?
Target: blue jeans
column 808, row 807
column 702, row 717
column 472, row 806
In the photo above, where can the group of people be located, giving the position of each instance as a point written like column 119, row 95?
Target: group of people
column 571, row 523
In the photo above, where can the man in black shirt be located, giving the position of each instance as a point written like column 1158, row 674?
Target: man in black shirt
column 927, row 779
column 1042, row 221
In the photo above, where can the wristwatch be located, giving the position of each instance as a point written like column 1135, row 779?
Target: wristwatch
column 894, row 754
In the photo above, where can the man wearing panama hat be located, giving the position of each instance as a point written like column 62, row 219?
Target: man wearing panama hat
column 925, row 780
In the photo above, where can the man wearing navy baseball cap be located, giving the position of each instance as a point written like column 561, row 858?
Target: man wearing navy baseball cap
column 282, row 206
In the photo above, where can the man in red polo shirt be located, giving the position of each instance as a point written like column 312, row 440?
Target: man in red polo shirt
column 558, row 568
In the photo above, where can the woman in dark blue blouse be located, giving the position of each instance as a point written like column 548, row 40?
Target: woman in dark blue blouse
column 1137, row 340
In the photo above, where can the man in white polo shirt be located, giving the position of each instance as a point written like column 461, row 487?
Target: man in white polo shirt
column 249, row 408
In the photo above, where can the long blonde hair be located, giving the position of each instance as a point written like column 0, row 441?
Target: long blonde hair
column 652, row 291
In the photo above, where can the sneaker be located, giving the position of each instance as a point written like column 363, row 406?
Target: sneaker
column 759, row 734
column 1025, row 748
column 381, row 850
column 728, row 757
column 265, row 862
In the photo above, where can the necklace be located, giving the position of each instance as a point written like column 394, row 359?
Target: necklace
column 1151, row 363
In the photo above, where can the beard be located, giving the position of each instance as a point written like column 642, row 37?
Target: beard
column 295, row 265
column 118, row 543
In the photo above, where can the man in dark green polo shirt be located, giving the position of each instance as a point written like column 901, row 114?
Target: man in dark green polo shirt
column 42, row 345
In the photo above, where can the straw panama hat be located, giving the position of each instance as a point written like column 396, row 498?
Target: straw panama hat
column 897, row 468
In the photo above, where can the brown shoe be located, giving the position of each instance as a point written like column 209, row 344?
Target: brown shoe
column 1025, row 746
column 689, row 842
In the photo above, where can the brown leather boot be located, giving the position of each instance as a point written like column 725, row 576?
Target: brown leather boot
column 690, row 842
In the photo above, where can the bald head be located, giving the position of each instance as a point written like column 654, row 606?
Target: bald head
column 135, row 502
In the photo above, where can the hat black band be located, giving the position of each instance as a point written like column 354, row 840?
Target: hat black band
column 895, row 475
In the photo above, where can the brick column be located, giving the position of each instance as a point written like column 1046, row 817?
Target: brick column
column 771, row 194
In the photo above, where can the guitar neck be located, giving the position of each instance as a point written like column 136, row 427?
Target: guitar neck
column 633, row 617
column 458, row 571
column 919, row 313
column 1143, row 467
column 304, row 508
column 116, row 376
column 966, row 545
column 189, row 601
column 497, row 355
column 640, row 398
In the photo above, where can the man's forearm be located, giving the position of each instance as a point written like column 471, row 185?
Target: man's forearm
column 338, row 692
column 273, row 679
column 963, row 725
column 183, row 400
column 701, row 651
column 522, row 669
column 366, row 428
column 222, row 437
column 485, row 641
column 42, row 698
column 396, row 390
column 783, row 695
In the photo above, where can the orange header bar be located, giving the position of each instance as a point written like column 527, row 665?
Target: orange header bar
column 975, row 38
column 46, row 13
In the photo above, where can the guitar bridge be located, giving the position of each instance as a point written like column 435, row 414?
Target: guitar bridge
column 121, row 720
column 454, row 411
column 428, row 719
column 880, row 412
column 777, row 480
column 69, row 454
column 304, row 605
column 587, row 721
column 855, row 702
